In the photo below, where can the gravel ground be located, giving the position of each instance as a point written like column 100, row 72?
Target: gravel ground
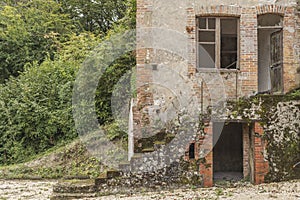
column 27, row 190
column 283, row 190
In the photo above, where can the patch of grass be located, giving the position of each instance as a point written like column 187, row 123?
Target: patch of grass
column 70, row 161
column 219, row 191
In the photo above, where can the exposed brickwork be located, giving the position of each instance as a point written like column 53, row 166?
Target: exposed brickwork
column 248, row 51
column 247, row 83
column 144, row 72
column 290, row 58
column 220, row 10
column 206, row 169
column 297, row 46
column 210, row 84
column 265, row 9
column 246, row 151
column 261, row 166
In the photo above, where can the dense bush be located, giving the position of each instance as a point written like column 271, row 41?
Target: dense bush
column 36, row 107
column 36, row 110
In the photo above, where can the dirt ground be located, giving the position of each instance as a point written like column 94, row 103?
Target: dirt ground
column 41, row 190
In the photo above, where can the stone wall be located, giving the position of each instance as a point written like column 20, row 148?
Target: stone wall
column 283, row 136
column 169, row 28
column 276, row 136
column 177, row 175
column 297, row 44
column 166, row 41
column 271, row 138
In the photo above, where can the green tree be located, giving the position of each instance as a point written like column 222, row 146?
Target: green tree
column 117, row 69
column 36, row 107
column 97, row 16
column 29, row 31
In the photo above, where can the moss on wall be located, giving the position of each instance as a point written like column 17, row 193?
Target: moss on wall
column 280, row 117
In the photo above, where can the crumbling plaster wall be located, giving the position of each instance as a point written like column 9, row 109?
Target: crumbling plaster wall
column 283, row 134
column 169, row 27
column 166, row 41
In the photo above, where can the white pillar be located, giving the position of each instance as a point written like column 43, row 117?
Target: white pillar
column 130, row 132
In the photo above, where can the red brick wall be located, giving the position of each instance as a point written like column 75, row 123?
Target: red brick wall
column 261, row 166
column 237, row 83
column 206, row 169
column 246, row 151
column 290, row 58
column 143, row 70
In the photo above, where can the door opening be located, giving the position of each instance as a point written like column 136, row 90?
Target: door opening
column 270, row 54
column 228, row 151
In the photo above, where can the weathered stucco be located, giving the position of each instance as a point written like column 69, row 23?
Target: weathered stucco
column 167, row 58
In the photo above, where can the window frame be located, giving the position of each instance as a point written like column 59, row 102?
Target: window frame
column 217, row 42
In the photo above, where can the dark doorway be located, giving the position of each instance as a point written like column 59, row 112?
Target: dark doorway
column 228, row 151
column 192, row 151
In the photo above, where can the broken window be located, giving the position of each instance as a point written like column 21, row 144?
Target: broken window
column 217, row 42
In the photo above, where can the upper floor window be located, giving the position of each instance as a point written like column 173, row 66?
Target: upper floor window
column 217, row 42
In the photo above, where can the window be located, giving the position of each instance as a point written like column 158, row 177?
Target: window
column 217, row 42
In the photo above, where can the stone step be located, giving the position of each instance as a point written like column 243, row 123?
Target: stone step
column 75, row 186
column 110, row 174
column 67, row 196
column 137, row 156
column 100, row 181
column 147, row 150
column 113, row 174
column 159, row 143
column 125, row 166
column 76, row 177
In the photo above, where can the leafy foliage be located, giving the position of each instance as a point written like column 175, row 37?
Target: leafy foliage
column 35, row 110
column 96, row 16
column 106, row 87
column 29, row 31
column 114, row 73
column 36, row 106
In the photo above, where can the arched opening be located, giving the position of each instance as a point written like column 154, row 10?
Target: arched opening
column 269, row 20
